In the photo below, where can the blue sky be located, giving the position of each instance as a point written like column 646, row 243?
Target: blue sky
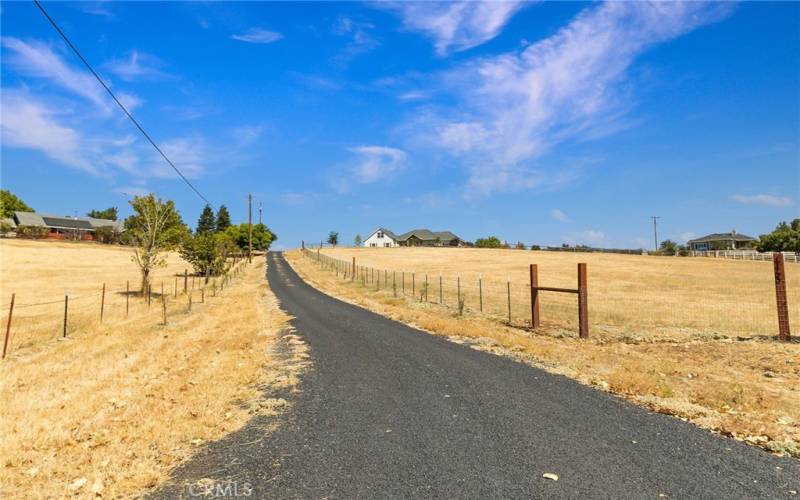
column 539, row 122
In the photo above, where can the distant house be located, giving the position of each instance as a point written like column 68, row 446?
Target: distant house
column 722, row 241
column 415, row 238
column 65, row 227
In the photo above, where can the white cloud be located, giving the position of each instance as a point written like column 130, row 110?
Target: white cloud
column 588, row 237
column 456, row 26
column 247, row 134
column 138, row 66
column 412, row 95
column 376, row 163
column 688, row 235
column 763, row 199
column 29, row 123
column 133, row 191
column 37, row 59
column 558, row 215
column 258, row 35
column 515, row 107
column 361, row 41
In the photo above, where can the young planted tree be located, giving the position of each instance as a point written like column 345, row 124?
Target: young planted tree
column 333, row 238
column 668, row 247
column 154, row 228
column 206, row 223
column 223, row 219
column 206, row 252
column 262, row 236
column 109, row 213
column 357, row 240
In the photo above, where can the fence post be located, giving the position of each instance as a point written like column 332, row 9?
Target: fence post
column 413, row 285
column 353, row 276
column 190, row 303
column 480, row 293
column 583, row 307
column 66, row 308
column 440, row 290
column 175, row 290
column 127, row 297
column 534, row 272
column 784, row 333
column 426, row 287
column 164, row 308
column 185, row 280
column 203, row 295
column 8, row 324
column 508, row 289
column 102, row 302
column 458, row 289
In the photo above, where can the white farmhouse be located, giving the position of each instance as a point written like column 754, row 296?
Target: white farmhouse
column 382, row 238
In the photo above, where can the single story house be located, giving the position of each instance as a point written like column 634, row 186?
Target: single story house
column 382, row 237
column 64, row 226
column 722, row 241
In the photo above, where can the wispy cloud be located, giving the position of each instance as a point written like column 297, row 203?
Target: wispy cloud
column 258, row 35
column 514, row 107
column 361, row 39
column 376, row 163
column 558, row 215
column 96, row 9
column 763, row 199
column 138, row 66
column 589, row 237
column 455, row 26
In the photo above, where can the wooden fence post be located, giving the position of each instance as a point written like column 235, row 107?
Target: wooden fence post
column 127, row 297
column 508, row 289
column 185, row 280
column 480, row 293
column 426, row 287
column 458, row 290
column 8, row 324
column 164, row 308
column 175, row 290
column 353, row 276
column 102, row 302
column 66, row 308
column 535, row 318
column 784, row 332
column 403, row 286
column 583, row 307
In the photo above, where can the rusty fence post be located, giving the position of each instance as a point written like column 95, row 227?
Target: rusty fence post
column 127, row 297
column 583, row 307
column 66, row 308
column 102, row 302
column 185, row 280
column 784, row 332
column 8, row 324
column 534, row 272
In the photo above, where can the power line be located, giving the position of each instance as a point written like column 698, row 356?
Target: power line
column 124, row 109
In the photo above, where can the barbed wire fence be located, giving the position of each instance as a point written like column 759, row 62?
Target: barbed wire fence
column 622, row 310
column 26, row 324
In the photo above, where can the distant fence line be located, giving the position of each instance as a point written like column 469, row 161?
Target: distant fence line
column 521, row 306
column 746, row 255
column 182, row 284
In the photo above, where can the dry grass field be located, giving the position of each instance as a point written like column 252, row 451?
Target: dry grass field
column 113, row 408
column 628, row 294
column 746, row 386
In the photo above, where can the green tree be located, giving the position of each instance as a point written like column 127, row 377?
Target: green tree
column 357, row 240
column 785, row 238
column 9, row 203
column 333, row 238
column 107, row 234
column 154, row 228
column 520, row 246
column 109, row 213
column 223, row 218
column 206, row 223
column 668, row 247
column 489, row 242
column 206, row 252
column 262, row 236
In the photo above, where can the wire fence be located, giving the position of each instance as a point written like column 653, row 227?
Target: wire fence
column 27, row 324
column 622, row 307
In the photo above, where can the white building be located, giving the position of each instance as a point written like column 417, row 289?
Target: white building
column 382, row 238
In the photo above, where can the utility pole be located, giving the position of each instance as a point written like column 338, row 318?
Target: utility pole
column 250, row 228
column 259, row 212
column 655, row 229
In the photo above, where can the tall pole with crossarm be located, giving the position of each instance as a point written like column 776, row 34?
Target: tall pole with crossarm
column 655, row 230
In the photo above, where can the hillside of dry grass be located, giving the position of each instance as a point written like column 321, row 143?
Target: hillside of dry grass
column 747, row 388
column 113, row 408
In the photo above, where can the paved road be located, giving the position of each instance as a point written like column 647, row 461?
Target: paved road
column 388, row 412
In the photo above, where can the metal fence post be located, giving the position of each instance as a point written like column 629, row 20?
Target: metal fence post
column 66, row 308
column 185, row 280
column 102, row 302
column 508, row 290
column 480, row 293
column 534, row 272
column 353, row 276
column 583, row 307
column 8, row 324
column 127, row 297
column 784, row 332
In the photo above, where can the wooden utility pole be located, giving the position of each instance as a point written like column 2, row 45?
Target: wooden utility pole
column 250, row 228
column 260, row 209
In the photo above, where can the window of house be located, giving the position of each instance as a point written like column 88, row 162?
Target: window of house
column 373, row 244
column 380, row 234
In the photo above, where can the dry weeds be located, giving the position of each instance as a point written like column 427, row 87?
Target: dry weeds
column 112, row 411
column 748, row 389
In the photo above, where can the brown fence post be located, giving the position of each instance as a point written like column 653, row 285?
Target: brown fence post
column 480, row 293
column 185, row 280
column 127, row 297
column 583, row 307
column 8, row 324
column 175, row 290
column 353, row 276
column 508, row 290
column 458, row 289
column 164, row 308
column 534, row 271
column 102, row 302
column 784, row 332
column 66, row 308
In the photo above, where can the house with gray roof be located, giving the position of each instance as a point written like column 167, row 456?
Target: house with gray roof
column 722, row 241
column 65, row 226
column 383, row 237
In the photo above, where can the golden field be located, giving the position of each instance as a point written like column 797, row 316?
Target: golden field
column 747, row 387
column 113, row 408
column 628, row 294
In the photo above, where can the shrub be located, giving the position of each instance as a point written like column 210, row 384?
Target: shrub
column 107, row 234
column 32, row 232
column 489, row 242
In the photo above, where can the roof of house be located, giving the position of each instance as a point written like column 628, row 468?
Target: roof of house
column 9, row 221
column 386, row 232
column 734, row 236
column 428, row 235
column 64, row 221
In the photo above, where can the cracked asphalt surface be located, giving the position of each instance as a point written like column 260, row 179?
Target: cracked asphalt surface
column 387, row 411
